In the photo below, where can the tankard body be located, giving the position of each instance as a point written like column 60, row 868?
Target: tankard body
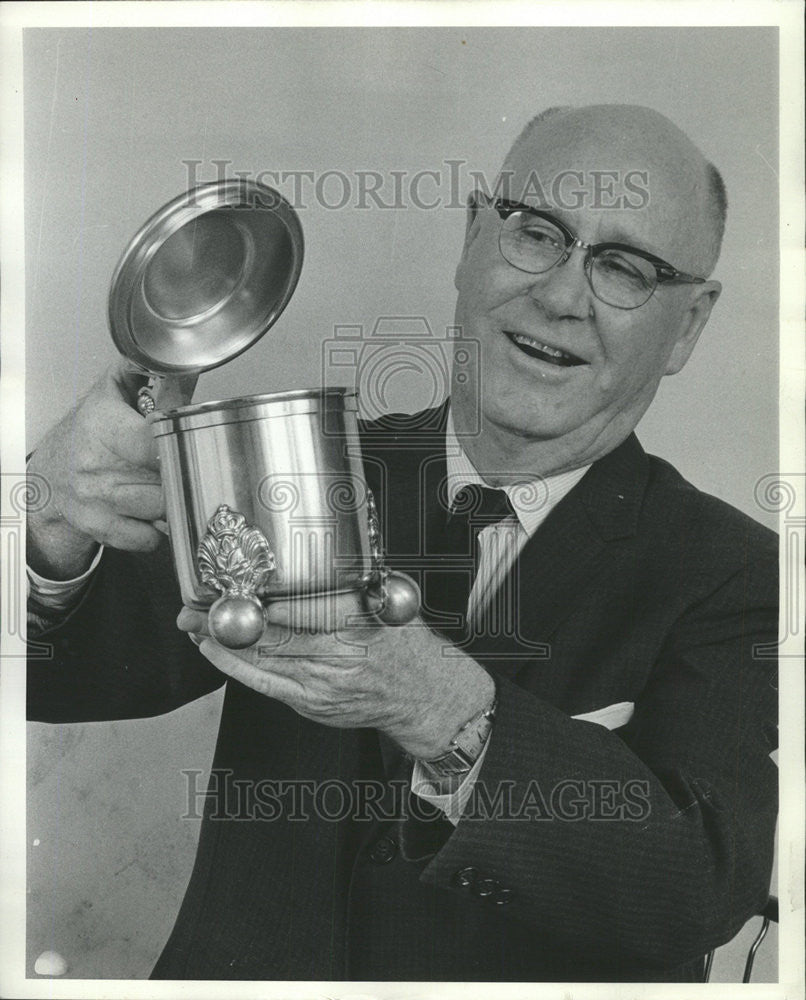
column 275, row 478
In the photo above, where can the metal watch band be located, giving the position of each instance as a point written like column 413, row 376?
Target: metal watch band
column 466, row 746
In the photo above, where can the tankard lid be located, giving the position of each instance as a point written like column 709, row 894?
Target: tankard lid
column 205, row 277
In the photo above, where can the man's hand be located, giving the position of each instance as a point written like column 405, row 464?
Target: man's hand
column 100, row 464
column 332, row 665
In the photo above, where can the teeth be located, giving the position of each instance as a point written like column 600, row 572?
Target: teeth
column 521, row 338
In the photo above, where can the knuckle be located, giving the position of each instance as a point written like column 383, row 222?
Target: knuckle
column 150, row 541
column 104, row 536
column 84, row 489
column 104, row 529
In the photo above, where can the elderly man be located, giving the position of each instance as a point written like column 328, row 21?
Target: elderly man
column 583, row 794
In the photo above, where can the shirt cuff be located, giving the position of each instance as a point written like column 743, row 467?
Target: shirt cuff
column 60, row 595
column 453, row 804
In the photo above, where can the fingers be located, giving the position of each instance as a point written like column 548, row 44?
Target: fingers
column 100, row 464
column 118, row 514
column 110, row 422
column 275, row 640
column 169, row 390
column 130, row 436
column 283, row 648
column 190, row 620
column 325, row 613
column 125, row 380
column 260, row 679
column 143, row 501
column 127, row 436
column 127, row 533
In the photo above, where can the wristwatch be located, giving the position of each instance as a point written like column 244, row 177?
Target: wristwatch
column 465, row 749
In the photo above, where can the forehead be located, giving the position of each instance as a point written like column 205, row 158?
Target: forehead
column 625, row 180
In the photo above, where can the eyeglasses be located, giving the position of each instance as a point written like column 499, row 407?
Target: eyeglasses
column 619, row 275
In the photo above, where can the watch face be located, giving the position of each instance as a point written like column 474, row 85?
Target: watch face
column 472, row 740
column 467, row 747
column 456, row 762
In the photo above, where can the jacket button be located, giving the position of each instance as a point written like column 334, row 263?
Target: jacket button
column 502, row 897
column 485, row 887
column 383, row 851
column 465, row 877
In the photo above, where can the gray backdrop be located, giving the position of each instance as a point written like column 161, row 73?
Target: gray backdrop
column 110, row 116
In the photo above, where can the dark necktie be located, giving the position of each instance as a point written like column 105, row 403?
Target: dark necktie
column 448, row 590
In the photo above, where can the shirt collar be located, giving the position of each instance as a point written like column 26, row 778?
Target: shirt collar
column 532, row 501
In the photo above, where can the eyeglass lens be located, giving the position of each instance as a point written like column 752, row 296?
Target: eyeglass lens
column 618, row 278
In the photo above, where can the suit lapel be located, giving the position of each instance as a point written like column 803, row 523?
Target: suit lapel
column 559, row 564
column 566, row 555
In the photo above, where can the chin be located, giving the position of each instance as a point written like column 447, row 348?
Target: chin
column 532, row 425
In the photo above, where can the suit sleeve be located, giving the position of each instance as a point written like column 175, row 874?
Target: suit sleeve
column 654, row 841
column 119, row 654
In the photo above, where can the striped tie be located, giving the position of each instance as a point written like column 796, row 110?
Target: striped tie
column 447, row 591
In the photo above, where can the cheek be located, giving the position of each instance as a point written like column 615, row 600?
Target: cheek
column 484, row 280
column 637, row 349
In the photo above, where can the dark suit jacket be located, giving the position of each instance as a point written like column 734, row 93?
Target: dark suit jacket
column 585, row 853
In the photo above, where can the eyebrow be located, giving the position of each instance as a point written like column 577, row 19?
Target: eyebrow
column 619, row 235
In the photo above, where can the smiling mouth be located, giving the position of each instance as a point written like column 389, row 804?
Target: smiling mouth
column 535, row 349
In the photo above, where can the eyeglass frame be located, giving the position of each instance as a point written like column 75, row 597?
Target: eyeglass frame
column 664, row 271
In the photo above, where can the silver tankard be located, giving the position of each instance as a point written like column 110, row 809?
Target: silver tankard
column 265, row 495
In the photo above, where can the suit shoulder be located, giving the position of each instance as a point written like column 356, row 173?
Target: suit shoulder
column 403, row 432
column 703, row 520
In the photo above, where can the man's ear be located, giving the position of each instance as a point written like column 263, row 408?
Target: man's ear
column 694, row 321
column 472, row 226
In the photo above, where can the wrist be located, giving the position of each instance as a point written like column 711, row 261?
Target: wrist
column 446, row 719
column 465, row 749
column 57, row 551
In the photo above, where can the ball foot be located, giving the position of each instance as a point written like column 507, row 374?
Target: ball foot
column 395, row 600
column 236, row 622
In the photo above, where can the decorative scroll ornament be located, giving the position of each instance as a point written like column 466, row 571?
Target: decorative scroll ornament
column 374, row 533
column 146, row 397
column 234, row 558
column 145, row 402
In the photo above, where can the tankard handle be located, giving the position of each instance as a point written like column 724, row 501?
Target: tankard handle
column 161, row 392
column 394, row 598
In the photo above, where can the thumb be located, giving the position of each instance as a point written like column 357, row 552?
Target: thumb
column 125, row 380
column 168, row 392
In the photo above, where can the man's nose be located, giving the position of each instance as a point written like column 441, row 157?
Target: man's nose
column 564, row 291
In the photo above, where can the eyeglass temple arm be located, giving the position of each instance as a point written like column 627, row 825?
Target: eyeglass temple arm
column 688, row 279
column 666, row 272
